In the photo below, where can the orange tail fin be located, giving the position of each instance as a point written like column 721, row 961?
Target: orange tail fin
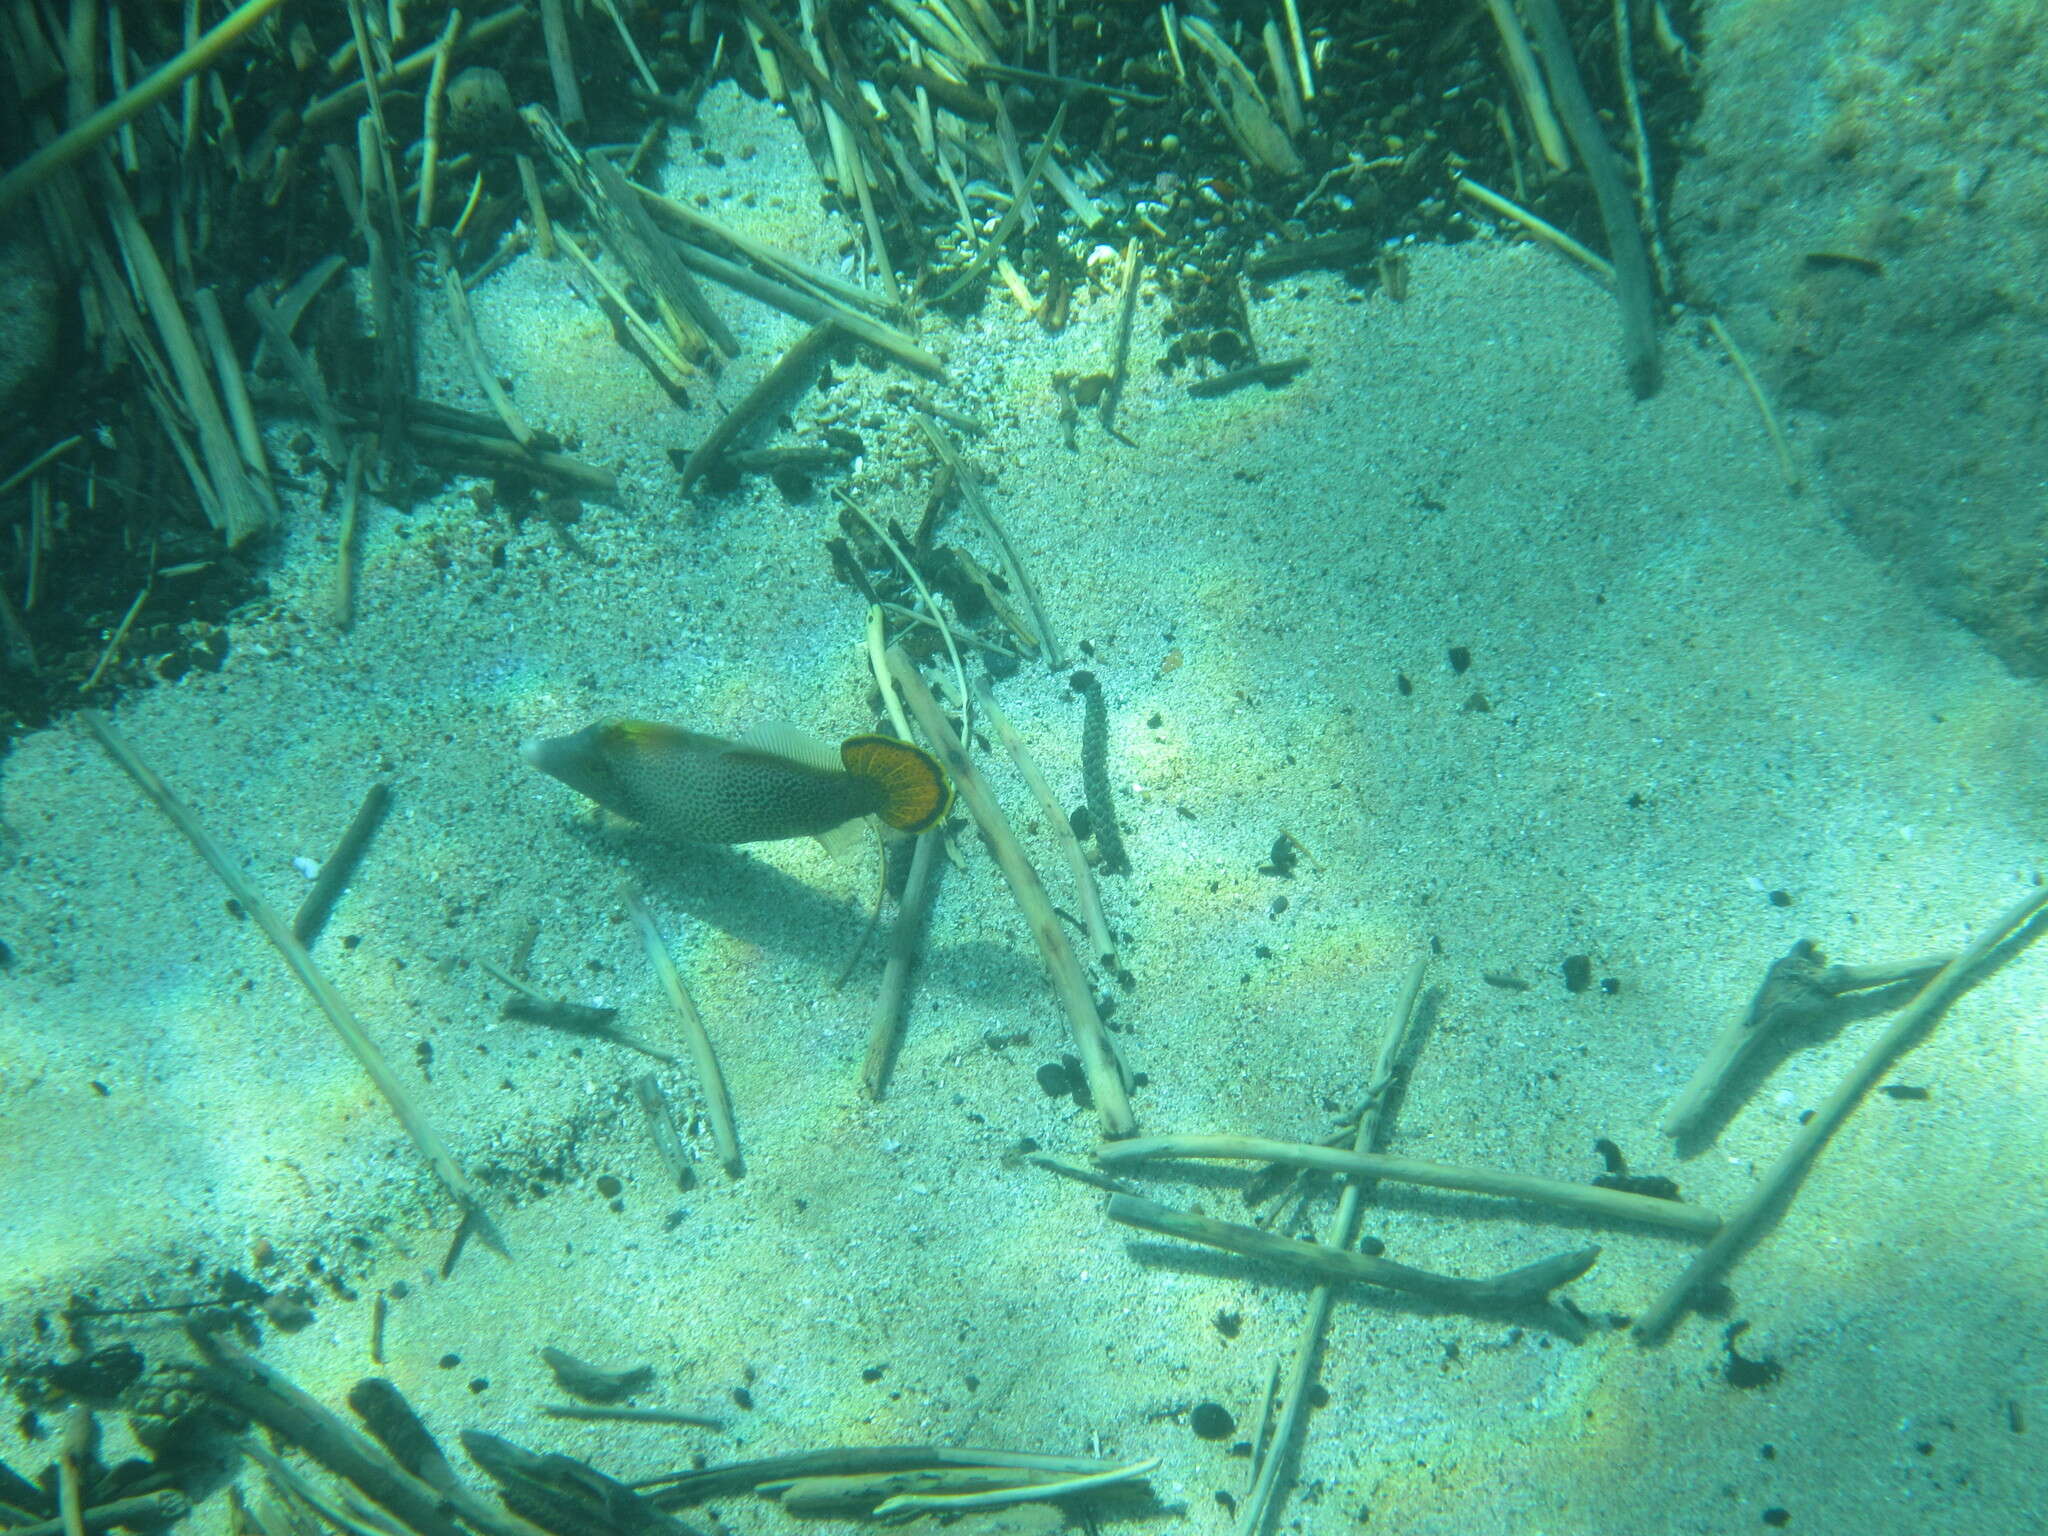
column 916, row 794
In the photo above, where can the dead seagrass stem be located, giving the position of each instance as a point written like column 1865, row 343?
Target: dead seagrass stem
column 1530, row 1283
column 717, row 1103
column 1087, row 895
column 1062, row 966
column 1587, row 1199
column 886, row 1023
column 1633, row 288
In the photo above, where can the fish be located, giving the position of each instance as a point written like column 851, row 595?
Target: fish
column 775, row 782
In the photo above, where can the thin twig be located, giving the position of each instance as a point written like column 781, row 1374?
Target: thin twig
column 341, row 864
column 430, row 119
column 969, row 482
column 1646, row 176
column 661, row 1124
column 49, row 455
column 119, row 637
column 1120, row 345
column 536, row 208
column 304, row 376
column 1086, row 893
column 592, row 1414
column 554, row 31
column 1528, row 83
column 234, row 388
column 810, row 306
column 717, row 1103
column 1786, row 467
column 1541, row 228
column 656, row 343
column 924, row 592
column 463, row 323
column 348, row 539
column 1529, row 1283
column 698, row 1485
column 242, row 509
column 1001, row 1498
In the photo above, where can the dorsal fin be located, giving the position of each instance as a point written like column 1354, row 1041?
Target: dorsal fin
column 793, row 743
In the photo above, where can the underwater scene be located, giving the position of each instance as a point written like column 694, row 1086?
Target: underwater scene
column 1014, row 766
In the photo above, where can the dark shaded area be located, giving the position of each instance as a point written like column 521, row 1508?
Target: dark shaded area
column 1864, row 210
column 1405, row 96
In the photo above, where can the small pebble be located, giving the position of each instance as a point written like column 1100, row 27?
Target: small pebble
column 1212, row 1421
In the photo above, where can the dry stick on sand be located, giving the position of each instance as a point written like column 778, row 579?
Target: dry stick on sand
column 1062, row 966
column 886, row 1024
column 717, row 1104
column 661, row 1124
column 1797, row 988
column 1633, row 288
column 1782, row 1181
column 771, row 1473
column 770, row 388
column 1530, row 1283
column 1786, row 468
column 1341, row 1234
column 998, row 1498
column 1120, row 344
column 341, row 864
column 1541, row 228
column 1587, row 1199
column 1086, row 895
column 79, row 139
column 310, row 976
column 463, row 324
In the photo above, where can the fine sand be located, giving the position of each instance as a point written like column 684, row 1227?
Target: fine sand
column 1687, row 691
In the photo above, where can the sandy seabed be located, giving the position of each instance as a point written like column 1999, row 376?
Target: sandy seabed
column 1687, row 690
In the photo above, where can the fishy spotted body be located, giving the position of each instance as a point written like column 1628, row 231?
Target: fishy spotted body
column 775, row 782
